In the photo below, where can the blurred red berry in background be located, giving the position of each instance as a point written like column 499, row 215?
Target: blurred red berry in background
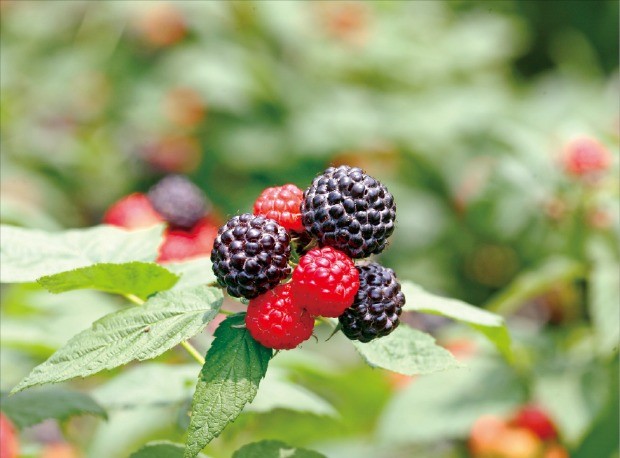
column 132, row 212
column 60, row 450
column 9, row 445
column 160, row 24
column 534, row 419
column 180, row 244
column 585, row 156
column 184, row 107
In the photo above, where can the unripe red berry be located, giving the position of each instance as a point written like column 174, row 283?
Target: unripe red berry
column 283, row 205
column 181, row 244
column 325, row 282
column 134, row 211
column 276, row 321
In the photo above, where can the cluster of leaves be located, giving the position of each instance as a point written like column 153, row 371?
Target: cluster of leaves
column 170, row 309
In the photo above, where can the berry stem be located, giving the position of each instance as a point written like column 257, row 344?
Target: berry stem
column 133, row 298
column 193, row 352
column 188, row 346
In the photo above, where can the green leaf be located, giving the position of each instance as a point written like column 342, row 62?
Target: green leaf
column 604, row 297
column 168, row 384
column 162, row 449
column 406, row 351
column 274, row 449
column 139, row 278
column 234, row 367
column 573, row 396
column 29, row 254
column 128, row 428
column 276, row 392
column 135, row 333
column 40, row 323
column 444, row 406
column 27, row 409
column 195, row 272
column 602, row 437
column 533, row 283
column 489, row 324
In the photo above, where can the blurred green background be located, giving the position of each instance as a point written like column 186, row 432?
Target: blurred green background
column 464, row 109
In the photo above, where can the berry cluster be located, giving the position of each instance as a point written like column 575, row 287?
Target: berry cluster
column 174, row 200
column 343, row 215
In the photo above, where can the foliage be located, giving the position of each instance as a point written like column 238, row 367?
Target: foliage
column 33, row 407
column 234, row 365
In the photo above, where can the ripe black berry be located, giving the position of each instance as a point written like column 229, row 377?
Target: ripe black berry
column 178, row 200
column 350, row 211
column 250, row 255
column 377, row 305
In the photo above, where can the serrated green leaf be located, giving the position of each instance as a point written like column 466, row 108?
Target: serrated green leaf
column 27, row 409
column 194, row 272
column 29, row 254
column 274, row 449
column 407, row 351
column 489, row 324
column 162, row 449
column 139, row 278
column 445, row 405
column 136, row 333
column 234, row 367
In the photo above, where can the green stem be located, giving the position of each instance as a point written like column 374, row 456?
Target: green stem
column 133, row 298
column 188, row 346
column 192, row 351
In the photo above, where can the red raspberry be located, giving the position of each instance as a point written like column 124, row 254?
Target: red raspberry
column 132, row 212
column 181, row 244
column 534, row 419
column 276, row 321
column 282, row 204
column 585, row 156
column 325, row 282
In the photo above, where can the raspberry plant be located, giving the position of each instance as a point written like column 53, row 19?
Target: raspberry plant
column 169, row 303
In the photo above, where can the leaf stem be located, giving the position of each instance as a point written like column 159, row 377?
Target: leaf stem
column 133, row 298
column 226, row 312
column 188, row 346
column 192, row 351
